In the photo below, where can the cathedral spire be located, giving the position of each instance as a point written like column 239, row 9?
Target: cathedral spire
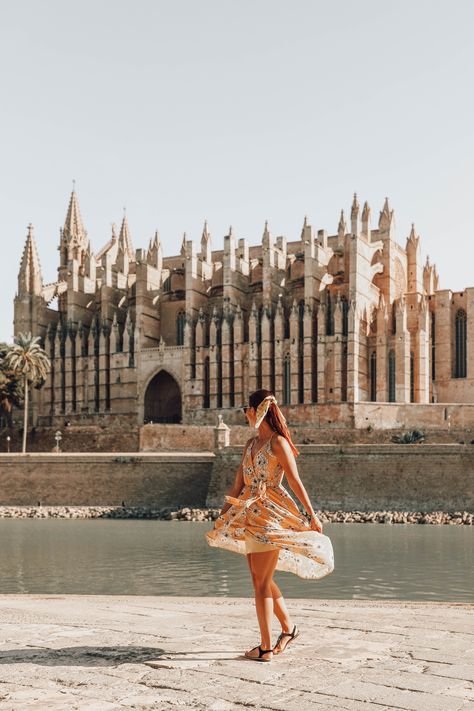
column 267, row 239
column 355, row 216
column 341, row 228
column 366, row 220
column 412, row 236
column 206, row 248
column 125, row 240
column 154, row 254
column 30, row 280
column 355, row 207
column 73, row 226
column 386, row 216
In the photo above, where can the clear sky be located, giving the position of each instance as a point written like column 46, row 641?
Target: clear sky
column 238, row 112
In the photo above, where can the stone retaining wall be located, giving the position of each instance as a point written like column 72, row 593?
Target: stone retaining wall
column 343, row 478
column 372, row 477
column 105, row 479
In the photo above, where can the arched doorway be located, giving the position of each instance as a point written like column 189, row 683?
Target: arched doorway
column 162, row 399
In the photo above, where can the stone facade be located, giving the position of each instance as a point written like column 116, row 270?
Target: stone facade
column 136, row 337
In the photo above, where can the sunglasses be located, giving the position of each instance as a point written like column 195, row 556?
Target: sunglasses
column 244, row 409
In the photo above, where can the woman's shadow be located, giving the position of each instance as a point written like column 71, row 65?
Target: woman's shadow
column 104, row 656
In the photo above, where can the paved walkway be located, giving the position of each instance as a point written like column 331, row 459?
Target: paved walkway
column 102, row 653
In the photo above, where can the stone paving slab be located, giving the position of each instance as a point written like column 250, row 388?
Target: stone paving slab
column 105, row 653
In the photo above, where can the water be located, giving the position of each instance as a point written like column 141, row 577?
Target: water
column 130, row 557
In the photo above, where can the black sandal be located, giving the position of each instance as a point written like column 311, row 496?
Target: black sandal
column 260, row 653
column 292, row 635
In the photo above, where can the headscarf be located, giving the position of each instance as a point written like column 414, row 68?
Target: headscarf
column 262, row 410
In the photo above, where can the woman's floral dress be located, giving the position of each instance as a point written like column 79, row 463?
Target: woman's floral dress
column 266, row 510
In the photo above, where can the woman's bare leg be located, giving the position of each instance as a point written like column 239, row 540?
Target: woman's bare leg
column 279, row 604
column 280, row 609
column 263, row 566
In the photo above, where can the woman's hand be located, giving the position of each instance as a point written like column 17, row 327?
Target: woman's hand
column 315, row 524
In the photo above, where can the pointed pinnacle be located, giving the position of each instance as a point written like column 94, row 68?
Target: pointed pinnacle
column 355, row 206
column 73, row 226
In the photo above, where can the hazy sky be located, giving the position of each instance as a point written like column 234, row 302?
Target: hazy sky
column 236, row 112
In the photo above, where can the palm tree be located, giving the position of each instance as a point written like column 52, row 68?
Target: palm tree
column 11, row 391
column 29, row 362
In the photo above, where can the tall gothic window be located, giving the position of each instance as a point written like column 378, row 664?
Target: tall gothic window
column 345, row 316
column 207, row 384
column 373, row 376
column 287, row 380
column 301, row 351
column 259, row 326
column 412, row 376
column 301, row 320
column 259, row 348
column 391, row 376
column 433, row 345
column 461, row 334
column 219, row 362
column 344, row 374
column 180, row 321
column 329, row 316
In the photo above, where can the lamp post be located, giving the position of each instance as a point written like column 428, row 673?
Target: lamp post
column 8, row 443
column 58, row 438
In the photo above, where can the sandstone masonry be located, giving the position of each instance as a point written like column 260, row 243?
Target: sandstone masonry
column 347, row 318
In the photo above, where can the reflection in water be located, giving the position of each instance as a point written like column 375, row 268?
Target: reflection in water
column 377, row 561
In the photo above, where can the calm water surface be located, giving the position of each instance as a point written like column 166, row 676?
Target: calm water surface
column 404, row 562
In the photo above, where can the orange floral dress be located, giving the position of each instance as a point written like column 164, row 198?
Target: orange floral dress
column 267, row 511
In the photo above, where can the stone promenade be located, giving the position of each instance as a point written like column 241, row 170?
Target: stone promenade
column 105, row 653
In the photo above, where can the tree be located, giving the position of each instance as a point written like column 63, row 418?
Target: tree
column 28, row 361
column 11, row 387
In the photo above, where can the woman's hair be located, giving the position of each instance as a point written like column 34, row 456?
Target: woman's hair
column 273, row 417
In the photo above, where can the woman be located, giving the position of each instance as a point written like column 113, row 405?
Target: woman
column 261, row 519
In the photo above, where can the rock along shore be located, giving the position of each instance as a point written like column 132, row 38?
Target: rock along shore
column 458, row 518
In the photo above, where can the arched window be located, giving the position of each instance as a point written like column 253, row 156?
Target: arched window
column 207, row 384
column 180, row 321
column 391, row 376
column 287, row 380
column 167, row 284
column 412, row 376
column 461, row 333
column 373, row 376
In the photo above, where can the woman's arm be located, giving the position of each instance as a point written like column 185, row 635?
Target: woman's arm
column 282, row 451
column 238, row 483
